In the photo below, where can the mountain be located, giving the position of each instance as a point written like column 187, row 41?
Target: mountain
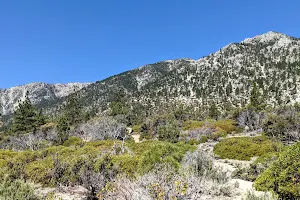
column 40, row 94
column 225, row 78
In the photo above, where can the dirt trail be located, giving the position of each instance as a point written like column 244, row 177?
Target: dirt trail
column 231, row 165
column 136, row 137
column 225, row 164
column 66, row 193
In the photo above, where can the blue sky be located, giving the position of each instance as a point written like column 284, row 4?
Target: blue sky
column 60, row 41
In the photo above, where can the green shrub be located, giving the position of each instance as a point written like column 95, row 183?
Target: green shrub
column 216, row 135
column 162, row 152
column 146, row 135
column 40, row 171
column 194, row 142
column 127, row 164
column 220, row 128
column 283, row 123
column 169, row 133
column 66, row 164
column 275, row 125
column 5, row 156
column 256, row 168
column 244, row 148
column 16, row 189
column 203, row 139
column 146, row 131
column 251, row 195
column 283, row 176
column 73, row 141
column 136, row 128
column 38, row 166
column 189, row 125
column 261, row 164
column 150, row 153
column 226, row 125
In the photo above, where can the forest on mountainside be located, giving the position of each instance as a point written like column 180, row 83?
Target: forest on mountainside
column 225, row 126
column 178, row 153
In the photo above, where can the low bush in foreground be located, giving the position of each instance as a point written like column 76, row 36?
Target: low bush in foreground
column 261, row 164
column 195, row 179
column 16, row 189
column 150, row 153
column 250, row 173
column 90, row 164
column 244, row 148
column 283, row 176
column 251, row 195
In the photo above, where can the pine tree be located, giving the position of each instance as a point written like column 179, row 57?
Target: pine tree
column 213, row 111
column 256, row 100
column 26, row 118
column 63, row 128
column 73, row 110
column 41, row 118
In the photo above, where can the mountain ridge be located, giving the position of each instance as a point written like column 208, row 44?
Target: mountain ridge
column 38, row 93
column 40, row 82
column 225, row 77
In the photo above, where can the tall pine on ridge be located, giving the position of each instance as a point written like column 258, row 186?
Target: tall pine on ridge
column 26, row 119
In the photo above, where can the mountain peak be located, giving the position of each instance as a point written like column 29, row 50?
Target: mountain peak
column 266, row 37
column 272, row 59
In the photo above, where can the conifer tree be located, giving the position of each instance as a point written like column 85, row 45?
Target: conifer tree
column 213, row 111
column 41, row 118
column 256, row 100
column 73, row 110
column 63, row 128
column 26, row 119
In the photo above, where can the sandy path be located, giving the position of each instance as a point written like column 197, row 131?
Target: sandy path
column 231, row 165
column 136, row 137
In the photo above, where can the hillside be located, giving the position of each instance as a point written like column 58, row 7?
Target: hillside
column 40, row 94
column 225, row 77
column 162, row 131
